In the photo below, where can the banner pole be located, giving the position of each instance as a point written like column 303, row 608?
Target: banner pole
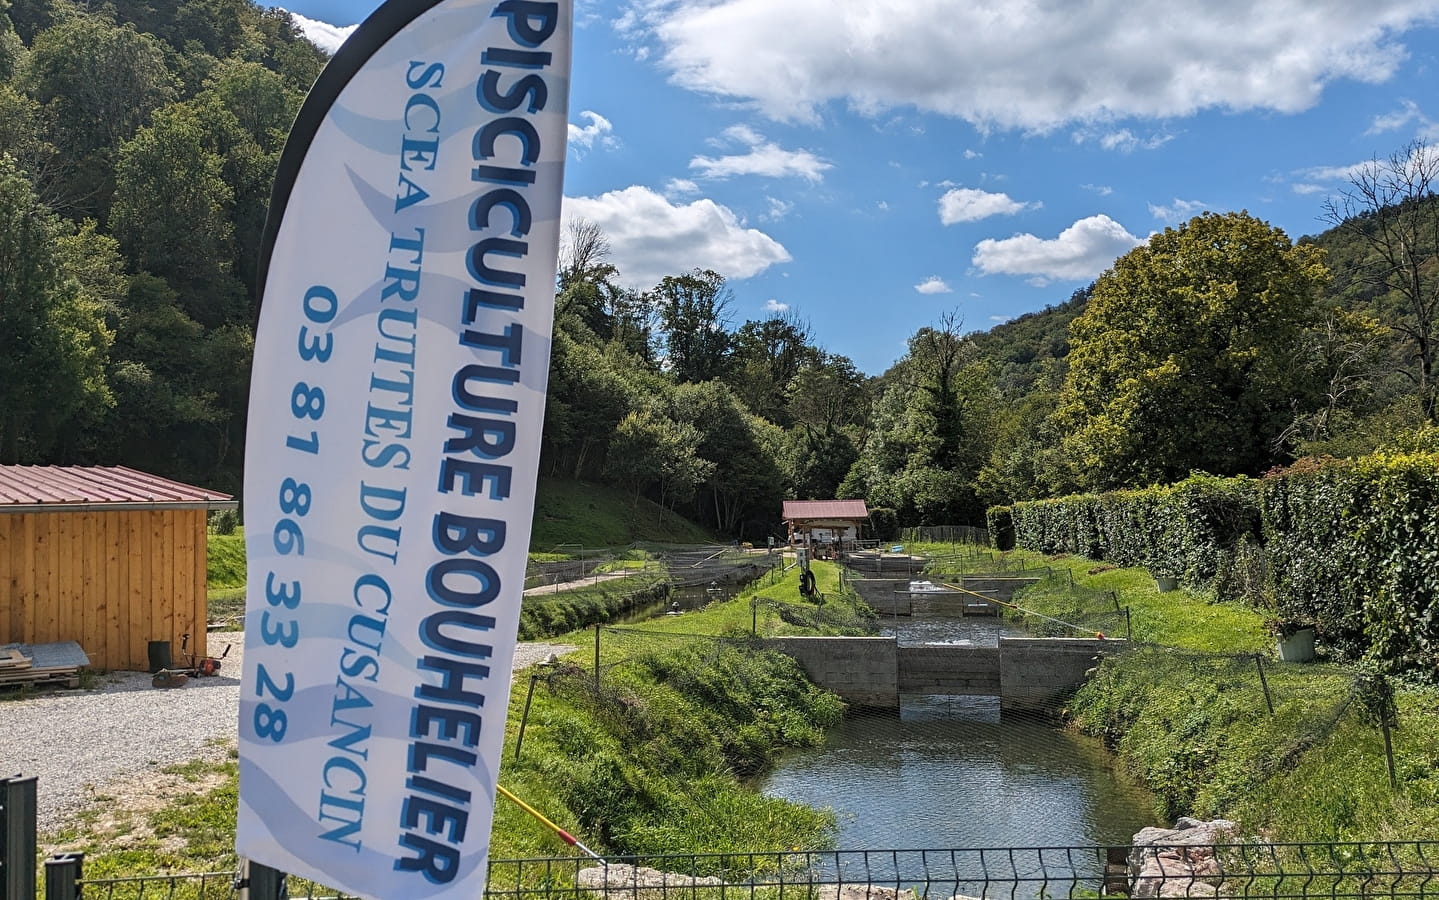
column 563, row 835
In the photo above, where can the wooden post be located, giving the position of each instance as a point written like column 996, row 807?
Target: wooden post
column 1389, row 755
column 1264, row 682
column 525, row 716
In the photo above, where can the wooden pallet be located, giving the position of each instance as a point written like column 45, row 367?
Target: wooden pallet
column 50, row 677
column 17, row 668
column 12, row 659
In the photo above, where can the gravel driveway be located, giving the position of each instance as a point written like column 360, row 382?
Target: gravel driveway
column 105, row 742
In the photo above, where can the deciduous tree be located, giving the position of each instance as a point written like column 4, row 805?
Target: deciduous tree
column 1190, row 354
column 53, row 339
column 1391, row 208
column 694, row 316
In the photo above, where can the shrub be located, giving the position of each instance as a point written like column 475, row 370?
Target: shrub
column 884, row 523
column 1000, row 521
column 226, row 521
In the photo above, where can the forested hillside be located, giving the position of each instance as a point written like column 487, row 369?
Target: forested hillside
column 138, row 142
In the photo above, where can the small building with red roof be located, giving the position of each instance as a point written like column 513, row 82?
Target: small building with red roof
column 106, row 556
column 835, row 522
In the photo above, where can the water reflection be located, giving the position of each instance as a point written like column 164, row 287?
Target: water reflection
column 947, row 772
column 681, row 600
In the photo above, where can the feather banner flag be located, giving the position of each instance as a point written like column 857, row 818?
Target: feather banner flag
column 393, row 441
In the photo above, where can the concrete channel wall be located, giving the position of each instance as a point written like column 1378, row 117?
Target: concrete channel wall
column 1037, row 673
column 1025, row 673
column 862, row 670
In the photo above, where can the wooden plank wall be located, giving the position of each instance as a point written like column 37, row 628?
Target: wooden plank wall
column 112, row 581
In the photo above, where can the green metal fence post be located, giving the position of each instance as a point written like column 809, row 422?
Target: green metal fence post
column 17, row 838
column 62, row 876
column 261, row 882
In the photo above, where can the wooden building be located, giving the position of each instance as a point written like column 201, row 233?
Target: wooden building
column 825, row 522
column 108, row 557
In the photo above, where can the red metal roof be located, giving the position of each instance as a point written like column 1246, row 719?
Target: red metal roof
column 795, row 510
column 54, row 486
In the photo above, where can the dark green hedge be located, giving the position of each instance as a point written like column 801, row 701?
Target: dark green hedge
column 1183, row 530
column 1355, row 548
column 1000, row 522
column 1352, row 546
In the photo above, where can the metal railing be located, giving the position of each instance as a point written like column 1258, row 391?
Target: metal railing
column 1246, row 871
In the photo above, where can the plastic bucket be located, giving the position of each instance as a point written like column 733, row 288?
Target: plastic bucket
column 160, row 657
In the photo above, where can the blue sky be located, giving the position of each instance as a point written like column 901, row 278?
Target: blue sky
column 872, row 164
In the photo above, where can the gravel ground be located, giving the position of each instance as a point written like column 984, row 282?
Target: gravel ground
column 113, row 741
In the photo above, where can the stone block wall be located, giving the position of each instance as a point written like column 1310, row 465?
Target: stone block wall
column 862, row 670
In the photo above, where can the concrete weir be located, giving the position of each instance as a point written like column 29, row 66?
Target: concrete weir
column 892, row 597
column 1027, row 674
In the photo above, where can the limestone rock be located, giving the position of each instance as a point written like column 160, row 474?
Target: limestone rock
column 1179, row 862
column 640, row 882
column 861, row 892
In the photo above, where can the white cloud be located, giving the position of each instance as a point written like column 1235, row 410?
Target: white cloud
column 971, row 205
column 762, row 158
column 972, row 154
column 933, row 285
column 1123, row 140
column 882, row 205
column 1178, row 211
column 1333, row 173
column 598, row 131
column 743, row 134
column 1000, row 319
column 1032, row 66
column 650, row 237
column 1081, row 251
column 1408, row 112
column 778, row 209
column 774, row 306
column 681, row 187
column 1102, row 190
column 1319, row 178
column 325, row 36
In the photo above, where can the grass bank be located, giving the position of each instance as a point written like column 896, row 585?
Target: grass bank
column 688, row 708
column 571, row 513
column 1187, row 714
column 546, row 615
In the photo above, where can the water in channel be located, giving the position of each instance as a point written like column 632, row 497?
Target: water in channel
column 948, row 772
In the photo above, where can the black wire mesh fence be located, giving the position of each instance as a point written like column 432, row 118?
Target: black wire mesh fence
column 1238, row 870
